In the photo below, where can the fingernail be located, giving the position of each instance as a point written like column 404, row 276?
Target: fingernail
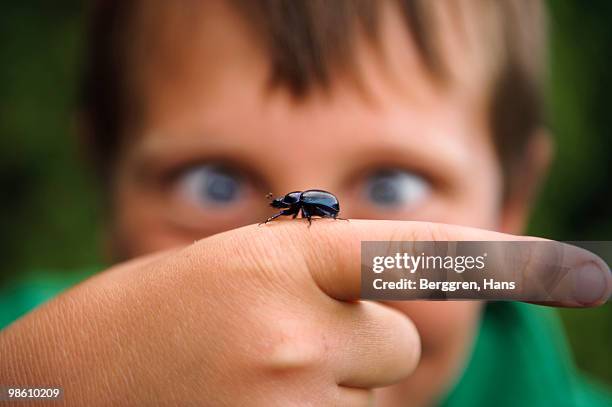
column 590, row 284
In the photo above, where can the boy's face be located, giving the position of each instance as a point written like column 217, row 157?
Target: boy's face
column 214, row 139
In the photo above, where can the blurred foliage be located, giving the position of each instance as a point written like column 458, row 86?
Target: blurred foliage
column 50, row 218
column 576, row 203
column 48, row 215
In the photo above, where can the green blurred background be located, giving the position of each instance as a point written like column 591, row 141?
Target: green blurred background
column 49, row 212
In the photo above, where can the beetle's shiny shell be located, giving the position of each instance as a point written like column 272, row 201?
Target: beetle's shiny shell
column 320, row 198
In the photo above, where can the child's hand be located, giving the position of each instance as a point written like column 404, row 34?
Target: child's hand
column 257, row 315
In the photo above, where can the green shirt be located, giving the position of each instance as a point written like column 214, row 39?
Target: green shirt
column 520, row 357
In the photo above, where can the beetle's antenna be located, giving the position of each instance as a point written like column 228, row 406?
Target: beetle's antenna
column 269, row 196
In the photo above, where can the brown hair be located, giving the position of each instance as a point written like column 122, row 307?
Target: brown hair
column 306, row 38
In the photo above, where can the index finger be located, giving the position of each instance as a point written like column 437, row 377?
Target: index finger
column 332, row 251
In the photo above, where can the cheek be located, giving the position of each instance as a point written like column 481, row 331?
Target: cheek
column 135, row 230
column 475, row 199
column 459, row 209
column 138, row 227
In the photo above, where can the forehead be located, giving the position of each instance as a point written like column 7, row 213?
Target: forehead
column 204, row 83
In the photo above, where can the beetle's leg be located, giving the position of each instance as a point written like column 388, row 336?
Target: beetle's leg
column 271, row 218
column 306, row 214
column 284, row 212
column 339, row 218
column 322, row 211
column 295, row 210
column 326, row 213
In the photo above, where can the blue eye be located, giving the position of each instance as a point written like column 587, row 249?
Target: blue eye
column 395, row 188
column 211, row 184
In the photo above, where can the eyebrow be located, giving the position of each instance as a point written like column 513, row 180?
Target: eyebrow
column 166, row 151
column 442, row 161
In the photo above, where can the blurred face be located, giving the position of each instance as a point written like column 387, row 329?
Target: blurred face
column 214, row 139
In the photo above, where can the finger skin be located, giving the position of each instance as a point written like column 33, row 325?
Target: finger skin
column 332, row 251
column 384, row 346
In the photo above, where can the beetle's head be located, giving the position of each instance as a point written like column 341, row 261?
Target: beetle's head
column 285, row 201
column 278, row 203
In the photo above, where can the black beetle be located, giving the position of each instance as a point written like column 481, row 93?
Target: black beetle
column 314, row 202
